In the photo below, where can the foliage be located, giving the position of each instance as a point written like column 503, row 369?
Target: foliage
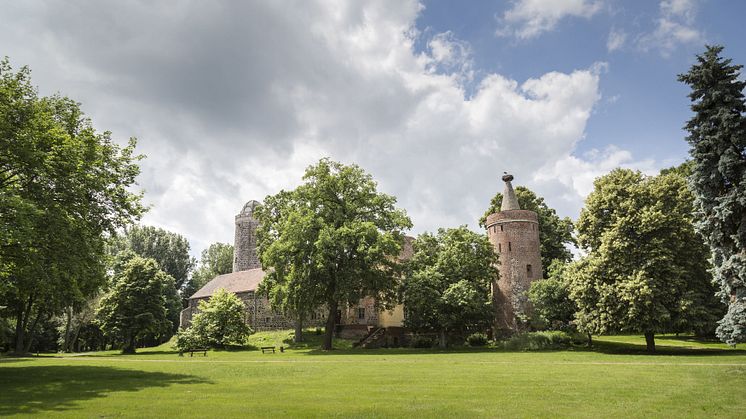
column 555, row 233
column 136, row 307
column 331, row 241
column 477, row 339
column 169, row 249
column 216, row 260
column 220, row 322
column 645, row 269
column 550, row 299
column 422, row 342
column 539, row 341
column 717, row 136
column 448, row 281
column 63, row 188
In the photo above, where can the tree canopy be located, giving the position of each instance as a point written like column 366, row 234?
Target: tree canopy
column 330, row 242
column 555, row 233
column 64, row 188
column 137, row 305
column 220, row 322
column 717, row 139
column 645, row 269
column 448, row 281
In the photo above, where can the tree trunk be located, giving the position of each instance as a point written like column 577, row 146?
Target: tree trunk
column 67, row 345
column 298, row 330
column 22, row 318
column 650, row 341
column 31, row 330
column 330, row 323
column 129, row 345
column 443, row 339
column 590, row 340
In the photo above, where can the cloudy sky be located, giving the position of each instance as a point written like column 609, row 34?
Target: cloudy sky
column 231, row 101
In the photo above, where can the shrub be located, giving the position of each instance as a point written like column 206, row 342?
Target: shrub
column 477, row 339
column 422, row 342
column 188, row 339
column 537, row 341
column 219, row 323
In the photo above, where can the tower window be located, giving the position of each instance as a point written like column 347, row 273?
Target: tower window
column 361, row 313
column 510, row 248
column 528, row 271
column 499, row 248
column 501, row 227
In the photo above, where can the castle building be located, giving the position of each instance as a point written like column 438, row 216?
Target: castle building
column 356, row 321
column 515, row 235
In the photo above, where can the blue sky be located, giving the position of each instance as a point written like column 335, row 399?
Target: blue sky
column 231, row 101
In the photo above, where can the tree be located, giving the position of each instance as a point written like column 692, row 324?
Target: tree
column 447, row 286
column 550, row 298
column 331, row 241
column 170, row 250
column 137, row 305
column 221, row 321
column 717, row 136
column 63, row 189
column 645, row 269
column 555, row 233
column 216, row 260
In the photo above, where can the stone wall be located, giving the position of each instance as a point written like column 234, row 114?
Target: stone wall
column 245, row 256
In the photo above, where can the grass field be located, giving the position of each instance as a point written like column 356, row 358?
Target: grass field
column 686, row 378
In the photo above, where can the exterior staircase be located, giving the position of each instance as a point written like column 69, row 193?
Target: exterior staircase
column 371, row 338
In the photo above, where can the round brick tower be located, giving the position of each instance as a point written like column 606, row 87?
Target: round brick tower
column 245, row 256
column 515, row 235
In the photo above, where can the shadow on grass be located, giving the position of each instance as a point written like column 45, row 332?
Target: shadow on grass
column 661, row 349
column 36, row 389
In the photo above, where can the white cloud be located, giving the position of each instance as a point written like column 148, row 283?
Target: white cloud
column 231, row 103
column 673, row 27
column 528, row 19
column 616, row 40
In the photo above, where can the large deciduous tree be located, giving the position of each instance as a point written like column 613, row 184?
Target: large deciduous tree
column 136, row 306
column 169, row 249
column 645, row 269
column 447, row 285
column 63, row 188
column 717, row 136
column 330, row 242
column 221, row 322
column 555, row 233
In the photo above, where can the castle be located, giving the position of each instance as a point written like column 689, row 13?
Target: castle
column 513, row 232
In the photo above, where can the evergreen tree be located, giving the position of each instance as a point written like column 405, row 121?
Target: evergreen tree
column 717, row 136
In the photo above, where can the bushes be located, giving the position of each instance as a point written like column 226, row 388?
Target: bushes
column 477, row 339
column 220, row 323
column 422, row 342
column 537, row 341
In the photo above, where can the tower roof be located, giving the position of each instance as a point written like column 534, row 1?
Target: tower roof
column 249, row 207
column 510, row 202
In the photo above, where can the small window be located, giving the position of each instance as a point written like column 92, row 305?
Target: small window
column 528, row 271
column 501, row 227
column 510, row 248
column 499, row 248
column 361, row 313
column 266, row 319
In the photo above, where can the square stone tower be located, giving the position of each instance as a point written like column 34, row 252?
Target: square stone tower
column 515, row 235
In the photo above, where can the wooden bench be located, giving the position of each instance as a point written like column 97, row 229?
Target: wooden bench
column 266, row 349
column 192, row 351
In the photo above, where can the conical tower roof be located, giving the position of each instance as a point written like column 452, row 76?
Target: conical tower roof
column 510, row 202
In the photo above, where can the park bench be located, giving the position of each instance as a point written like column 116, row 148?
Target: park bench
column 266, row 349
column 192, row 351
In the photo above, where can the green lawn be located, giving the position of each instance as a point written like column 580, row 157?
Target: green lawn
column 685, row 379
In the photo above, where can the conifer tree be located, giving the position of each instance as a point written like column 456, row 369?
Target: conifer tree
column 717, row 136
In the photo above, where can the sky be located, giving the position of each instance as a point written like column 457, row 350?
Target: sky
column 231, row 101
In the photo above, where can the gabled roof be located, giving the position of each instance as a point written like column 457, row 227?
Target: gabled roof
column 241, row 281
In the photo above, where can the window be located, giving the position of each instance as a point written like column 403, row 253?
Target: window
column 266, row 319
column 528, row 271
column 499, row 248
column 361, row 313
column 510, row 248
column 501, row 227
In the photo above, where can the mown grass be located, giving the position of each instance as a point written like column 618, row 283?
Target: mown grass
column 687, row 378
